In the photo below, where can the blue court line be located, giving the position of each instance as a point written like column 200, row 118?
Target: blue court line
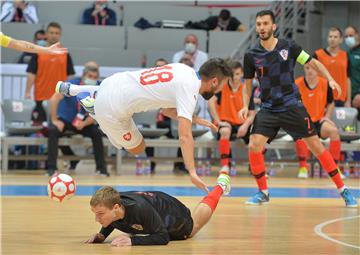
column 37, row 190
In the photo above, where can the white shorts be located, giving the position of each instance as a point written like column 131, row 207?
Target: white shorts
column 118, row 126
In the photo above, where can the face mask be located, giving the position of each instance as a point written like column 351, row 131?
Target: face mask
column 90, row 81
column 41, row 43
column 350, row 41
column 190, row 48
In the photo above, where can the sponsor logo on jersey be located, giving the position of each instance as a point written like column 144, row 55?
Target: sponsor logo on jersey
column 284, row 54
column 127, row 136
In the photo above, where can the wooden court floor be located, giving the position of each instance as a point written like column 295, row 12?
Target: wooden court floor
column 298, row 225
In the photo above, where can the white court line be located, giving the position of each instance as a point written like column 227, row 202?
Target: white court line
column 318, row 231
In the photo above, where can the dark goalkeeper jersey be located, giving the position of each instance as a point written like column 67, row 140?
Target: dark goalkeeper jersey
column 152, row 218
column 275, row 71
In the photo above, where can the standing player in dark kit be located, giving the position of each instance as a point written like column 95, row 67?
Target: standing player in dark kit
column 151, row 218
column 273, row 60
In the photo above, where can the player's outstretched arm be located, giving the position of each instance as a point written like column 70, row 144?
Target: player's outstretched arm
column 172, row 113
column 321, row 69
column 187, row 148
column 20, row 45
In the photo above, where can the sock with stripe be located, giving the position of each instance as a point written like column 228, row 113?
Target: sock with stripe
column 328, row 163
column 257, row 165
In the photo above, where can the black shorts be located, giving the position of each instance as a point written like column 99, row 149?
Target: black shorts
column 186, row 228
column 234, row 130
column 318, row 126
column 295, row 121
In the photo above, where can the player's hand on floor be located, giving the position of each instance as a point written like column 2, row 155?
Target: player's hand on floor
column 333, row 84
column 195, row 179
column 96, row 238
column 121, row 241
column 243, row 113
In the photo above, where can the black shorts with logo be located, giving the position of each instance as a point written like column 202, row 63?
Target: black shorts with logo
column 295, row 121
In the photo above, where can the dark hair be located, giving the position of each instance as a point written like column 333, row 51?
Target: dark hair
column 356, row 31
column 53, row 24
column 162, row 60
column 235, row 65
column 41, row 31
column 224, row 14
column 336, row 29
column 215, row 67
column 266, row 12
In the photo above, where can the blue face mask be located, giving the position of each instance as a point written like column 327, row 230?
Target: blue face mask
column 41, row 43
column 350, row 41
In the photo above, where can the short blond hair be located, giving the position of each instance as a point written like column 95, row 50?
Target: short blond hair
column 106, row 196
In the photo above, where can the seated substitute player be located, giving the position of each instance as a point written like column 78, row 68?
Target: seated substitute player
column 224, row 108
column 174, row 88
column 151, row 218
column 318, row 100
column 274, row 60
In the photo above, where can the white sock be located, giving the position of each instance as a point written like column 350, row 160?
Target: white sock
column 342, row 189
column 76, row 89
column 265, row 191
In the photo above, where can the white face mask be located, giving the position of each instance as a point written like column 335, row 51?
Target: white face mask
column 89, row 81
column 350, row 41
column 190, row 48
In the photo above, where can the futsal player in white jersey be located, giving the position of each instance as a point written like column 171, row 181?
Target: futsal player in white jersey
column 174, row 88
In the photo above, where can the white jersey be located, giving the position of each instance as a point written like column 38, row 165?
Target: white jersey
column 171, row 86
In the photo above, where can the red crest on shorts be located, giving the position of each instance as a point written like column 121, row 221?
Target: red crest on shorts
column 127, row 136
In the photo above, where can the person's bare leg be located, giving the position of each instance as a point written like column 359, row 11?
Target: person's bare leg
column 224, row 149
column 138, row 149
column 201, row 216
column 204, row 210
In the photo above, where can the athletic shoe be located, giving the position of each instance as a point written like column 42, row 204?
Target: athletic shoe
column 224, row 170
column 87, row 102
column 258, row 199
column 102, row 173
column 303, row 173
column 224, row 182
column 349, row 199
column 63, row 88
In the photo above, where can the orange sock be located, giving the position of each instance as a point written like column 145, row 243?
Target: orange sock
column 302, row 153
column 224, row 149
column 331, row 168
column 335, row 149
column 212, row 199
column 257, row 165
